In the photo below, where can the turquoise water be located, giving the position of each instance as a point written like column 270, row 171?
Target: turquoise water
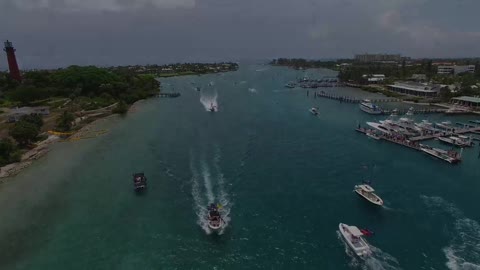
column 285, row 179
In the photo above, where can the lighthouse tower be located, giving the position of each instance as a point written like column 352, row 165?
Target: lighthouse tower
column 12, row 61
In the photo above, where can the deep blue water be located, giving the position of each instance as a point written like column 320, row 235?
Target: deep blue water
column 285, row 179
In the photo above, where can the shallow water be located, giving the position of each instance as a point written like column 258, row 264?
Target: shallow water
column 284, row 177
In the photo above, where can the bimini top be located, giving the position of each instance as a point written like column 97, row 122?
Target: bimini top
column 366, row 188
column 354, row 231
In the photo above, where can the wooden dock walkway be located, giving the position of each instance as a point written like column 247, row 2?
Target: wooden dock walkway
column 446, row 133
column 346, row 99
column 168, row 95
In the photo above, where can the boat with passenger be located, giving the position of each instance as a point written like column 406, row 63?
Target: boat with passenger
column 212, row 108
column 314, row 111
column 354, row 238
column 367, row 106
column 215, row 220
column 139, row 182
column 368, row 193
column 451, row 157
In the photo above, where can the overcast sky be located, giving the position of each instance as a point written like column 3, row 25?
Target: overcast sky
column 55, row 33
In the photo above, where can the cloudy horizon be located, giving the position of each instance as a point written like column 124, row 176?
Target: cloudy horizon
column 56, row 33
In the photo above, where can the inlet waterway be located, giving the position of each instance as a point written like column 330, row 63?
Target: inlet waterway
column 284, row 178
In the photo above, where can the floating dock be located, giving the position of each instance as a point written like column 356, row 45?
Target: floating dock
column 475, row 130
column 347, row 99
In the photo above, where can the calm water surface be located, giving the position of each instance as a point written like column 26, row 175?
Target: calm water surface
column 285, row 179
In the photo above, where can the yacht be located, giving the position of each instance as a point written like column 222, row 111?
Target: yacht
column 448, row 156
column 460, row 141
column 354, row 238
column 380, row 127
column 369, row 107
column 215, row 221
column 368, row 193
column 372, row 135
column 425, row 125
column 314, row 111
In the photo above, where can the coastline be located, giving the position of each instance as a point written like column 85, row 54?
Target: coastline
column 43, row 147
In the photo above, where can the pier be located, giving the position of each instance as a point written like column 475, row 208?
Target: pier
column 445, row 133
column 347, row 99
column 168, row 95
column 452, row 157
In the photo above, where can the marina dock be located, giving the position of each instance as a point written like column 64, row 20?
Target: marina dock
column 445, row 133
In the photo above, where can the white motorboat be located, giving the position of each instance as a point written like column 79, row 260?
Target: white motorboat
column 368, row 193
column 354, row 238
column 448, row 156
column 369, row 107
column 460, row 141
column 446, row 125
column 380, row 127
column 215, row 221
column 372, row 135
column 314, row 111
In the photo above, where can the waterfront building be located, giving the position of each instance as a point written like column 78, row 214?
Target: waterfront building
column 453, row 69
column 472, row 102
column 374, row 78
column 415, row 89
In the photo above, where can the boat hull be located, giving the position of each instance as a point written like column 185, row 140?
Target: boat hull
column 362, row 251
column 370, row 111
column 378, row 201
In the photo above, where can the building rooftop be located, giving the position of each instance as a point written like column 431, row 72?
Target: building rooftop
column 415, row 87
column 468, row 99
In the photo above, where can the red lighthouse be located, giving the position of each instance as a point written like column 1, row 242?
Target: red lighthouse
column 12, row 61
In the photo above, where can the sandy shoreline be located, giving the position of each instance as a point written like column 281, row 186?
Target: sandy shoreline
column 42, row 147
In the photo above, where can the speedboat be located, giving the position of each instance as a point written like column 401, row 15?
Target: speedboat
column 354, row 238
column 212, row 108
column 369, row 107
column 139, row 182
column 215, row 221
column 368, row 193
column 314, row 111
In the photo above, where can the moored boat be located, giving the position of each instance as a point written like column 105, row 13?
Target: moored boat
column 354, row 238
column 368, row 193
column 369, row 107
column 139, row 182
column 372, row 135
column 451, row 157
column 215, row 221
column 459, row 141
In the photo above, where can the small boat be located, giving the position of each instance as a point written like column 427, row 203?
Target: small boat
column 372, row 135
column 197, row 88
column 369, row 107
column 368, row 193
column 459, row 141
column 213, row 108
column 451, row 157
column 290, row 85
column 354, row 238
column 215, row 221
column 314, row 111
column 139, row 182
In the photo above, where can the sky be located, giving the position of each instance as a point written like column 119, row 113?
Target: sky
column 59, row 33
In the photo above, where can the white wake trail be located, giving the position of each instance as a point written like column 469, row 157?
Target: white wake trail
column 223, row 196
column 209, row 100
column 199, row 207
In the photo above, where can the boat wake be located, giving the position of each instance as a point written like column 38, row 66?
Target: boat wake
column 208, row 186
column 209, row 100
column 463, row 251
column 379, row 260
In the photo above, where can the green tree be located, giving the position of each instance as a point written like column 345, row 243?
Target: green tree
column 24, row 132
column 64, row 122
column 8, row 152
column 34, row 119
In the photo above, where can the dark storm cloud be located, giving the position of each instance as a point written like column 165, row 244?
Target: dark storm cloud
column 50, row 33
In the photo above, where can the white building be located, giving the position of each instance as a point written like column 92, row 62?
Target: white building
column 374, row 78
column 415, row 89
column 456, row 69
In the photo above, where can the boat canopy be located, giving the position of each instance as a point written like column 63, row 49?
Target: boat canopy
column 354, row 231
column 366, row 188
